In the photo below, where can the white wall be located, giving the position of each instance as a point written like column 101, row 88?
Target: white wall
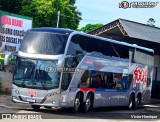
column 6, row 78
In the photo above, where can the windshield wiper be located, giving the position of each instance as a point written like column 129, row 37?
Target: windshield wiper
column 39, row 77
column 27, row 79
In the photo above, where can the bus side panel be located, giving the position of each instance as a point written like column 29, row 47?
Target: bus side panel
column 141, row 81
column 68, row 97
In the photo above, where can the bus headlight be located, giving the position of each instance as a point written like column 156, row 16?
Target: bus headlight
column 49, row 95
column 16, row 91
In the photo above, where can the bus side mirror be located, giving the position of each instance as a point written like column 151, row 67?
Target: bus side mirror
column 7, row 57
column 6, row 60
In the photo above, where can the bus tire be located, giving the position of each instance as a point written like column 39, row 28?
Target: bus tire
column 47, row 107
column 138, row 102
column 131, row 104
column 88, row 104
column 36, row 107
column 77, row 103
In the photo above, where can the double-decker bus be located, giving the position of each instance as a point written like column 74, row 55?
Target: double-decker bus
column 63, row 68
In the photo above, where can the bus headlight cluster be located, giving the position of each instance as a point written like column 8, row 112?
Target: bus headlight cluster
column 49, row 95
column 16, row 91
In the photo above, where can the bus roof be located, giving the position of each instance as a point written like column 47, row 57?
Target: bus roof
column 52, row 30
column 72, row 33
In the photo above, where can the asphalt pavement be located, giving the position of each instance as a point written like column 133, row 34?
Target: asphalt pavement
column 113, row 113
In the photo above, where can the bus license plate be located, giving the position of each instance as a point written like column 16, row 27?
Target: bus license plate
column 31, row 100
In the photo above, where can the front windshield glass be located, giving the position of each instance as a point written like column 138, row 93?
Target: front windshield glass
column 43, row 43
column 31, row 73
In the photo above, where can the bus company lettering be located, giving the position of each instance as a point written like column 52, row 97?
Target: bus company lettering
column 140, row 76
column 32, row 93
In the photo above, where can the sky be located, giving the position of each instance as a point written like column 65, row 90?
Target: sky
column 105, row 11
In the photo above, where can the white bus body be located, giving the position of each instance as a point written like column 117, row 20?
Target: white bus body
column 64, row 68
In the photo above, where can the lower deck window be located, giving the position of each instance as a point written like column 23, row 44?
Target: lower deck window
column 107, row 80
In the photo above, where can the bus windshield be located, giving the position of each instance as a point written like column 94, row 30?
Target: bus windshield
column 43, row 43
column 34, row 74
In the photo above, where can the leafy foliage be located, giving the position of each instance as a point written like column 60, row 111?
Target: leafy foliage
column 151, row 22
column 44, row 12
column 90, row 27
column 13, row 6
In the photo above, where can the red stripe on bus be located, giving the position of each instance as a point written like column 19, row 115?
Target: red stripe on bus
column 87, row 89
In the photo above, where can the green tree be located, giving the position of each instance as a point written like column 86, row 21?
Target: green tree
column 13, row 6
column 90, row 27
column 44, row 12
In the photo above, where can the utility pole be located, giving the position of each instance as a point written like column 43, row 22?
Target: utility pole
column 58, row 17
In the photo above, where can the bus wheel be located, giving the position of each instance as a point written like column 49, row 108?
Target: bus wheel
column 138, row 102
column 88, row 104
column 131, row 104
column 76, row 104
column 35, row 107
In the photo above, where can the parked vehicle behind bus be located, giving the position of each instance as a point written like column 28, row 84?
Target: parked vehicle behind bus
column 63, row 68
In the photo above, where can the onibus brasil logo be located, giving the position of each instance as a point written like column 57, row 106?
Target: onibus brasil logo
column 137, row 4
column 124, row 5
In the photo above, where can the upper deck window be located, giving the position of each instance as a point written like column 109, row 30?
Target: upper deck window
column 44, row 43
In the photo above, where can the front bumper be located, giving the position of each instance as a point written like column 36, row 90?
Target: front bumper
column 51, row 104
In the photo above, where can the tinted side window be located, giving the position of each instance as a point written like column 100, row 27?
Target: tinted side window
column 148, row 82
column 97, row 80
column 76, row 51
column 107, row 48
column 85, row 80
column 117, row 81
column 106, row 80
column 66, row 79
